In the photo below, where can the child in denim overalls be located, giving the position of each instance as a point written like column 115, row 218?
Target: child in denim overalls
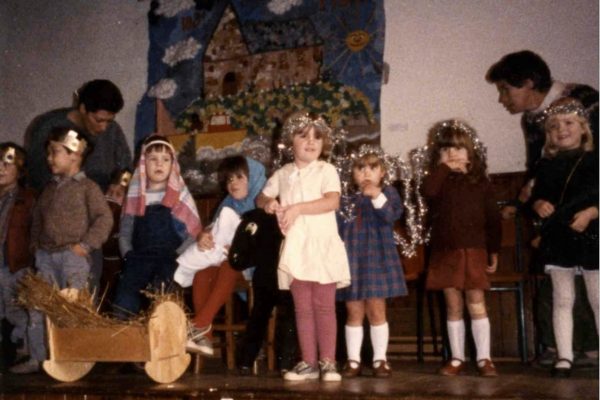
column 159, row 216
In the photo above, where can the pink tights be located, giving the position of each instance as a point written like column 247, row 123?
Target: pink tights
column 315, row 319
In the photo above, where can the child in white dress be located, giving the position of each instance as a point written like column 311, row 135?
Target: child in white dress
column 304, row 195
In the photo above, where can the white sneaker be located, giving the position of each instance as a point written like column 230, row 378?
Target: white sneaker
column 329, row 372
column 27, row 367
column 302, row 372
column 201, row 345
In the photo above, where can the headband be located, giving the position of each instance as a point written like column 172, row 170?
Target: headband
column 302, row 122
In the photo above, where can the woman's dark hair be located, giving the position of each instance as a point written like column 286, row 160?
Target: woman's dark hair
column 234, row 165
column 58, row 134
column 516, row 68
column 100, row 94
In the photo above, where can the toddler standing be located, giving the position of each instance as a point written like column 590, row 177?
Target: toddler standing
column 565, row 195
column 313, row 259
column 374, row 261
column 159, row 216
column 465, row 237
column 70, row 220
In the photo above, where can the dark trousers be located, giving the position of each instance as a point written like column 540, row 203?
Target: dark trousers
column 285, row 334
column 585, row 337
column 141, row 272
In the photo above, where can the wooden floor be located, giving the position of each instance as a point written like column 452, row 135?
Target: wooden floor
column 410, row 381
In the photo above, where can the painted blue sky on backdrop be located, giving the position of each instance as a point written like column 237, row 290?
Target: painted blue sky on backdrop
column 180, row 30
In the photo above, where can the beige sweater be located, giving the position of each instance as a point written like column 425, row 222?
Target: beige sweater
column 71, row 211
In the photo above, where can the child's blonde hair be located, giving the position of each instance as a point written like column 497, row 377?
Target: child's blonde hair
column 456, row 133
column 301, row 121
column 565, row 106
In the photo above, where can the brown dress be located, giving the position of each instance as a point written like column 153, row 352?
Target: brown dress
column 465, row 229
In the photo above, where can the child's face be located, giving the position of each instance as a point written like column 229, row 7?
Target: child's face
column 454, row 154
column 237, row 186
column 116, row 193
column 158, row 168
column 61, row 161
column 565, row 131
column 307, row 146
column 9, row 175
column 368, row 173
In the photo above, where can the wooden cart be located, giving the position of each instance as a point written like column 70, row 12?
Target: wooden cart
column 160, row 344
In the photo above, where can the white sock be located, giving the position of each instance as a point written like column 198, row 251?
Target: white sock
column 380, row 335
column 481, row 336
column 456, row 337
column 354, row 339
column 563, row 298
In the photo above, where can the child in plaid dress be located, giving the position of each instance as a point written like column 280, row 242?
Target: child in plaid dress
column 375, row 266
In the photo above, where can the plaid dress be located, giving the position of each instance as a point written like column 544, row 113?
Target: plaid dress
column 375, row 267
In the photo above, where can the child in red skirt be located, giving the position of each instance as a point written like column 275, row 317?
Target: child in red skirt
column 465, row 236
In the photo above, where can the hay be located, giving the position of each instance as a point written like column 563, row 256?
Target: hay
column 77, row 310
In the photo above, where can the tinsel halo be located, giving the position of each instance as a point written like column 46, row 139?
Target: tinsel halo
column 568, row 107
column 301, row 122
column 389, row 162
column 478, row 146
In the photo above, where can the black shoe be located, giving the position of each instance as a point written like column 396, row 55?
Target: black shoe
column 562, row 372
column 244, row 371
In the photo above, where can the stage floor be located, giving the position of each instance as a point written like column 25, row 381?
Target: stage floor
column 410, row 380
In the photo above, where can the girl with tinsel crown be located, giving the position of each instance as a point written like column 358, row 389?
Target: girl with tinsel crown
column 565, row 196
column 375, row 266
column 465, row 236
column 304, row 195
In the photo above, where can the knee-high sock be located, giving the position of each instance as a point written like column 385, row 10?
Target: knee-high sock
column 456, row 337
column 563, row 298
column 481, row 336
column 354, row 339
column 380, row 335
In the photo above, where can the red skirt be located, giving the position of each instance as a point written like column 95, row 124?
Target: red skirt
column 462, row 269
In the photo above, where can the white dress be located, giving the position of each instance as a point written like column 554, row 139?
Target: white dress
column 312, row 249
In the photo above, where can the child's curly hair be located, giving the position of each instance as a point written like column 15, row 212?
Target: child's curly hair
column 456, row 133
column 300, row 122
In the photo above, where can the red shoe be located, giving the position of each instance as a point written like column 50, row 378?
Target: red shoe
column 488, row 369
column 452, row 368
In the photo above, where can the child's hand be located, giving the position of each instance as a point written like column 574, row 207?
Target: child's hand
column 206, row 241
column 272, row 206
column 79, row 250
column 371, row 190
column 543, row 208
column 582, row 219
column 490, row 269
column 454, row 162
column 286, row 217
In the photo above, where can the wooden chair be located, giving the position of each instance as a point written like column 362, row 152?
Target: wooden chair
column 515, row 279
column 414, row 274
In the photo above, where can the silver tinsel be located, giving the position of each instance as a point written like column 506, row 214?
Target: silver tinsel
column 408, row 173
column 571, row 107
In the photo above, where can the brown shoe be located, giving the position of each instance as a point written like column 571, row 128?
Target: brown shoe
column 382, row 370
column 452, row 368
column 488, row 369
column 351, row 369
